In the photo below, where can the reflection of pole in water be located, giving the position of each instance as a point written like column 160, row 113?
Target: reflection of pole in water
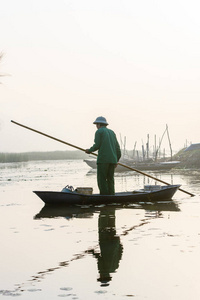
column 110, row 247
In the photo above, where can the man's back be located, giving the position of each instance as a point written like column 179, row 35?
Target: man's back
column 108, row 146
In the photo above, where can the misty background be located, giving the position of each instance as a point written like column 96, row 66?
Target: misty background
column 67, row 62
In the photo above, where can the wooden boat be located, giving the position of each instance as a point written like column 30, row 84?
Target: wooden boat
column 151, row 166
column 69, row 197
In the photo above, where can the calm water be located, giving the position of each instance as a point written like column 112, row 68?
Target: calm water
column 142, row 251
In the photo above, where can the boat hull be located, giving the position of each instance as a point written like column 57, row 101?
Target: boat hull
column 143, row 166
column 72, row 198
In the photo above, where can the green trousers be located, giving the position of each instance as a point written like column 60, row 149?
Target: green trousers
column 105, row 178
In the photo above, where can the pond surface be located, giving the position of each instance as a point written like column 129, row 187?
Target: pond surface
column 139, row 251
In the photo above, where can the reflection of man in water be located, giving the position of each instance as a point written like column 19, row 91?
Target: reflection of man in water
column 110, row 247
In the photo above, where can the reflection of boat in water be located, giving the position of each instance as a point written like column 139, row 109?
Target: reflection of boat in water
column 108, row 253
column 82, row 212
column 151, row 166
column 49, row 211
column 68, row 197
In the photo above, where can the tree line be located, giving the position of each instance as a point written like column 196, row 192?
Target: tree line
column 31, row 156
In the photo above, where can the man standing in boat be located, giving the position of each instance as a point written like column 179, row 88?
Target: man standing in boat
column 109, row 153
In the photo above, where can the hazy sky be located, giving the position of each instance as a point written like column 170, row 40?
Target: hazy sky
column 69, row 61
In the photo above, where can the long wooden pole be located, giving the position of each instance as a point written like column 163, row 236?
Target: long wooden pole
column 125, row 166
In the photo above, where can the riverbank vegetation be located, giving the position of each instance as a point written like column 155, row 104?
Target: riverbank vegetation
column 188, row 159
column 31, row 156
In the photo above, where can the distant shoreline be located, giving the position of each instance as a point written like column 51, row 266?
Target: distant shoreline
column 188, row 159
column 32, row 156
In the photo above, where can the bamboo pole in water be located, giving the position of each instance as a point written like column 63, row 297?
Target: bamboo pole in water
column 79, row 148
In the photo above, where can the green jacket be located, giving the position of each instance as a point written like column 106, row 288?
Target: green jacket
column 106, row 143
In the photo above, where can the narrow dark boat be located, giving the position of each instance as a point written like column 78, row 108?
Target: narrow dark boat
column 160, row 193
